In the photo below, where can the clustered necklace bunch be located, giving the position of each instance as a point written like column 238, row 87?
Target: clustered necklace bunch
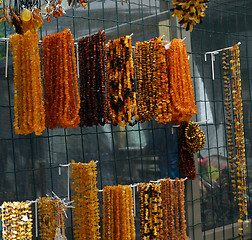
column 121, row 88
column 153, row 98
column 174, row 223
column 62, row 101
column 92, row 58
column 51, row 218
column 118, row 215
column 151, row 216
column 229, row 125
column 189, row 12
column 181, row 88
column 28, row 92
column 85, row 195
column 16, row 221
column 239, row 135
column 191, row 140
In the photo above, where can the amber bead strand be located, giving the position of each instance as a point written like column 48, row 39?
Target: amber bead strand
column 62, row 101
column 181, row 192
column 239, row 135
column 13, row 223
column 28, row 93
column 153, row 98
column 92, row 54
column 121, row 92
column 180, row 82
column 151, row 215
column 86, row 205
column 229, row 123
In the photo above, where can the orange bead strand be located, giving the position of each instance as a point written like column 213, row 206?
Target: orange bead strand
column 28, row 92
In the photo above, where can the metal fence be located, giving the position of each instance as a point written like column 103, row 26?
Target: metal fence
column 29, row 164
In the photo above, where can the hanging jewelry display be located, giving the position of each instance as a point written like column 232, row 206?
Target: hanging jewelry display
column 92, row 58
column 51, row 213
column 121, row 87
column 54, row 9
column 191, row 139
column 86, row 205
column 151, row 215
column 180, row 82
column 174, row 223
column 62, row 101
column 16, row 221
column 229, row 122
column 189, row 12
column 239, row 135
column 152, row 84
column 118, row 215
column 28, row 92
column 26, row 15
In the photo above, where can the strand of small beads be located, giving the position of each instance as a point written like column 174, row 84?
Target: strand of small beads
column 86, row 204
column 92, row 58
column 151, row 215
column 229, row 122
column 16, row 221
column 180, row 82
column 239, row 135
column 28, row 92
column 62, row 101
column 121, row 90
column 181, row 192
column 118, row 215
column 153, row 99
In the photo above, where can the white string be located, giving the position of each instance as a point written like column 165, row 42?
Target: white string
column 68, row 183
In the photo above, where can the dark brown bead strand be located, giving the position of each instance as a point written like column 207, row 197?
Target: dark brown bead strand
column 229, row 122
column 186, row 161
column 92, row 59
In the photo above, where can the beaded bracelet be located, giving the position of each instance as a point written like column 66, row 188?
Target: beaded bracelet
column 62, row 101
column 92, row 58
column 28, row 92
column 86, row 204
column 16, row 221
column 180, row 82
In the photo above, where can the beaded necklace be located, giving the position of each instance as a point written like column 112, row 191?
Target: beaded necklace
column 92, row 57
column 153, row 97
column 229, row 125
column 86, row 204
column 16, row 221
column 180, row 82
column 151, row 215
column 118, row 215
column 28, row 92
column 121, row 92
column 239, row 135
column 62, row 101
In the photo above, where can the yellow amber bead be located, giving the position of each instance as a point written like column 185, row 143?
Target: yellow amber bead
column 26, row 15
